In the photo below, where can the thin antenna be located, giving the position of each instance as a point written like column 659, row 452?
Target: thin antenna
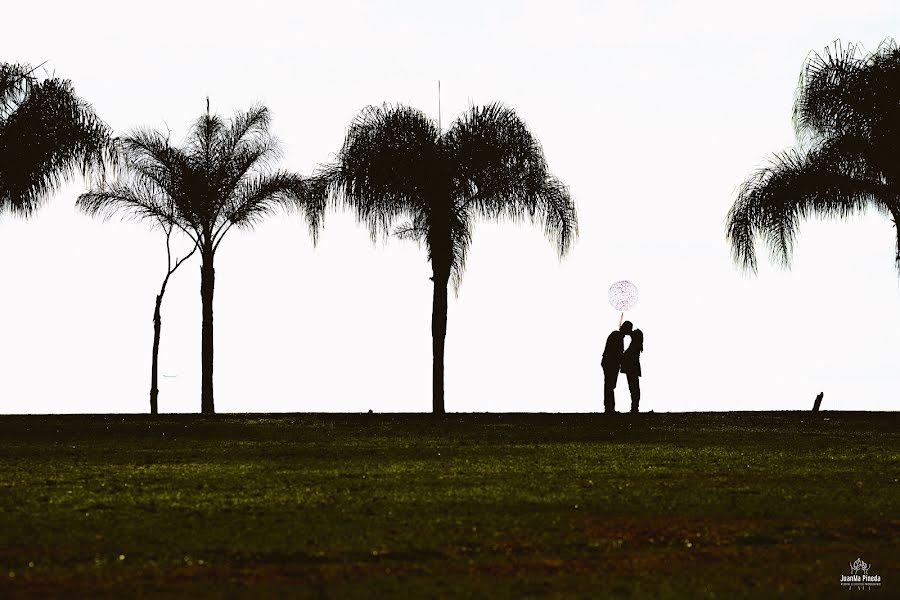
column 439, row 105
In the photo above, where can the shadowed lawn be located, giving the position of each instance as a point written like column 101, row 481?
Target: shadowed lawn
column 717, row 505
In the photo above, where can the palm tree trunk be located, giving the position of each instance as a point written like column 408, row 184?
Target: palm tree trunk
column 157, row 322
column 438, row 336
column 895, row 215
column 157, row 326
column 207, row 284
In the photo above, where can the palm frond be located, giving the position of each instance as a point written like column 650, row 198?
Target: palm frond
column 246, row 127
column 259, row 196
column 148, row 157
column 136, row 200
column 844, row 91
column 243, row 147
column 146, row 149
column 203, row 141
column 388, row 165
column 830, row 181
column 241, row 163
column 502, row 173
column 826, row 92
column 219, row 177
column 460, row 242
column 309, row 196
column 49, row 136
column 557, row 214
column 15, row 81
column 847, row 119
column 410, row 232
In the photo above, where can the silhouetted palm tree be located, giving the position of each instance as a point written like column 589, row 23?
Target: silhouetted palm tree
column 397, row 164
column 46, row 134
column 847, row 119
column 166, row 221
column 219, row 178
column 167, row 227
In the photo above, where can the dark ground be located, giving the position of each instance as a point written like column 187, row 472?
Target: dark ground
column 695, row 505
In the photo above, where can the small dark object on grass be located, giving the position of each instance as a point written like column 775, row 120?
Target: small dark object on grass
column 818, row 401
column 370, row 411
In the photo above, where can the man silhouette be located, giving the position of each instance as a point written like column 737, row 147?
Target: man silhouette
column 612, row 360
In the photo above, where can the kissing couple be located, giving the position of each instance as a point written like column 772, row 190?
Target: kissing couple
column 616, row 359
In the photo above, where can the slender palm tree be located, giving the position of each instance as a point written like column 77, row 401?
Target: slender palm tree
column 167, row 226
column 219, row 178
column 847, row 120
column 47, row 133
column 396, row 164
column 165, row 220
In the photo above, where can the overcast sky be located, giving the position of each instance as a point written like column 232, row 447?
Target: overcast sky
column 651, row 112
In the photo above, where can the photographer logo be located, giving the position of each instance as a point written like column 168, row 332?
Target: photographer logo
column 859, row 577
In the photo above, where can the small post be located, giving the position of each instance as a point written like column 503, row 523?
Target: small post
column 818, row 402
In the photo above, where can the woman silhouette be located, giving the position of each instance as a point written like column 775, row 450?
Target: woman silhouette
column 631, row 366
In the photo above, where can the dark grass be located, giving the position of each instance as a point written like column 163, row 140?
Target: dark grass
column 702, row 505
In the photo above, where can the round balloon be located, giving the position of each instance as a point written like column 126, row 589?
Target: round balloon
column 623, row 295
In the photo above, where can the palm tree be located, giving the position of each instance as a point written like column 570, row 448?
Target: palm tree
column 166, row 221
column 219, row 178
column 167, row 227
column 847, row 120
column 397, row 164
column 46, row 134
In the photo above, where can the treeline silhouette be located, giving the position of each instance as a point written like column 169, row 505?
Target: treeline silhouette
column 405, row 176
column 397, row 170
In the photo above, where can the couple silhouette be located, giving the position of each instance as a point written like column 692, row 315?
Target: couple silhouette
column 616, row 359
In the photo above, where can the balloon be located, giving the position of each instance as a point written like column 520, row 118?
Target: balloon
column 623, row 295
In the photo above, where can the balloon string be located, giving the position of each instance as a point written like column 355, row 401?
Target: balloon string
column 621, row 316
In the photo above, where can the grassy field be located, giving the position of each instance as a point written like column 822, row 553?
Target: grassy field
column 702, row 505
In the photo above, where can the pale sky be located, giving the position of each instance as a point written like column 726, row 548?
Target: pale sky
column 653, row 113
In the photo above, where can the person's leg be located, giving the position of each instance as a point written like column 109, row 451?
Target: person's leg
column 609, row 385
column 634, row 386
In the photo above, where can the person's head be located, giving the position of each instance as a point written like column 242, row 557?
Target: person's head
column 637, row 338
column 626, row 327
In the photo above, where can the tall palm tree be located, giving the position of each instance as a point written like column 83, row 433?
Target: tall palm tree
column 219, row 178
column 397, row 164
column 847, row 120
column 46, row 134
